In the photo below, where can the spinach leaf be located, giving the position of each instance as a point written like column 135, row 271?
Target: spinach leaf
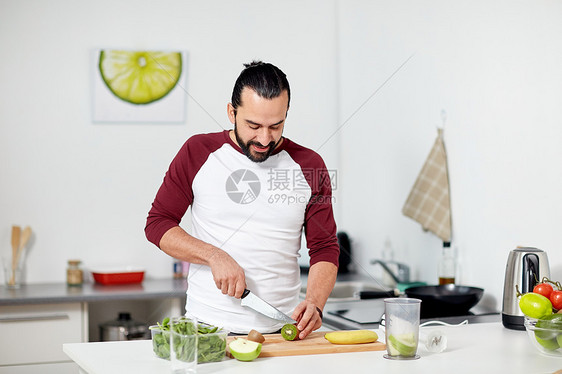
column 211, row 344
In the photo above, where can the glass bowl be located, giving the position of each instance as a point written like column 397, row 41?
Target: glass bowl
column 546, row 334
column 211, row 347
column 160, row 342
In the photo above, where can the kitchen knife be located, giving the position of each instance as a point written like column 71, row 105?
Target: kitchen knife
column 259, row 305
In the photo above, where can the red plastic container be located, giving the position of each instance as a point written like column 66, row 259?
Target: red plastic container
column 118, row 276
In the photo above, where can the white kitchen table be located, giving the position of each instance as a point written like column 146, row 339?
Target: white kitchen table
column 474, row 348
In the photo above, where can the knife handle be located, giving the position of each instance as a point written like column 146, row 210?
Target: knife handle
column 245, row 293
column 376, row 294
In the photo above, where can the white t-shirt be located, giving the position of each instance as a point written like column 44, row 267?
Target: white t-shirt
column 256, row 213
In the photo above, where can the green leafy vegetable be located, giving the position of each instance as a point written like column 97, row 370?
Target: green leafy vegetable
column 211, row 344
column 165, row 326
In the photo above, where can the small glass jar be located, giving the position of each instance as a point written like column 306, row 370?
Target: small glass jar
column 74, row 274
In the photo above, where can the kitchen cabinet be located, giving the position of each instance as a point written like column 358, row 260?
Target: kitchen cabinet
column 147, row 311
column 54, row 368
column 36, row 320
column 34, row 335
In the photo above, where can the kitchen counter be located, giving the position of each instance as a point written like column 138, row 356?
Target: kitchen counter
column 367, row 313
column 344, row 315
column 47, row 293
column 484, row 347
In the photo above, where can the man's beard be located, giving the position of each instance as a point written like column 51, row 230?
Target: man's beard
column 259, row 157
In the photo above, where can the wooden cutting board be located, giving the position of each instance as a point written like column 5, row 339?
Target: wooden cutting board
column 315, row 343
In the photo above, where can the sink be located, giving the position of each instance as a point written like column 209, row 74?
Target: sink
column 347, row 290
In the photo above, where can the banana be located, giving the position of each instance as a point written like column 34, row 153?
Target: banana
column 351, row 337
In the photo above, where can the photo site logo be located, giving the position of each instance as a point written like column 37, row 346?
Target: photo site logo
column 301, row 179
column 243, row 186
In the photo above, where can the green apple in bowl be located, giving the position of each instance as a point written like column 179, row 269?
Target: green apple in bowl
column 550, row 344
column 244, row 350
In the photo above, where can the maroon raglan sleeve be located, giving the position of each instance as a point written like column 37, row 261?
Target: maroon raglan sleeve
column 176, row 194
column 172, row 200
column 319, row 223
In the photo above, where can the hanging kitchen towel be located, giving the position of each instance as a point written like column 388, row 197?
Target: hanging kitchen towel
column 429, row 202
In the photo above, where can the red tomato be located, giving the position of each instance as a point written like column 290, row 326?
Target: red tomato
column 556, row 299
column 544, row 289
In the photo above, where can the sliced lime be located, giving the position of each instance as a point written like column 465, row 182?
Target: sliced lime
column 140, row 77
column 403, row 345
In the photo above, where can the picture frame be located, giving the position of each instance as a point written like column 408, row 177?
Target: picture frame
column 138, row 86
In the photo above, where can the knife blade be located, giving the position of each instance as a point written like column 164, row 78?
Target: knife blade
column 250, row 300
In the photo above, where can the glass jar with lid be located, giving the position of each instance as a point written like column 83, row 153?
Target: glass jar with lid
column 74, row 274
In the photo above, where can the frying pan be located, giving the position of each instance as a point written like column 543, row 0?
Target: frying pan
column 439, row 301
column 445, row 300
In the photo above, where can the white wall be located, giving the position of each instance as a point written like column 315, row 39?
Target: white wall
column 494, row 67
column 86, row 188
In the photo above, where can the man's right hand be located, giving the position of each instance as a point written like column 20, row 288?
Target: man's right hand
column 227, row 274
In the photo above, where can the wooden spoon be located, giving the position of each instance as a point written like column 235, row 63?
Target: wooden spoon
column 24, row 238
column 25, row 235
column 16, row 237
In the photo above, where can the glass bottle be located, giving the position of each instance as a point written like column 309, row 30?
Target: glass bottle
column 446, row 269
column 388, row 259
column 387, row 252
column 178, row 269
column 74, row 274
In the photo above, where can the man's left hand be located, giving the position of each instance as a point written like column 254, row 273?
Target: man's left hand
column 308, row 318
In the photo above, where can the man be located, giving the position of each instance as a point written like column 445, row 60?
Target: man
column 252, row 192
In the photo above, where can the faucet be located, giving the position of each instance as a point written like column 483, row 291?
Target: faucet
column 403, row 275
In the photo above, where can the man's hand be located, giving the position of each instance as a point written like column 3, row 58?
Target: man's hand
column 321, row 279
column 308, row 318
column 228, row 275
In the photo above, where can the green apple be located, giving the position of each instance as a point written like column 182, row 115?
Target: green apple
column 550, row 344
column 402, row 345
column 549, row 327
column 244, row 350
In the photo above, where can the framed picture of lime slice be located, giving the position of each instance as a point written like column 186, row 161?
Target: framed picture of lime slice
column 138, row 85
